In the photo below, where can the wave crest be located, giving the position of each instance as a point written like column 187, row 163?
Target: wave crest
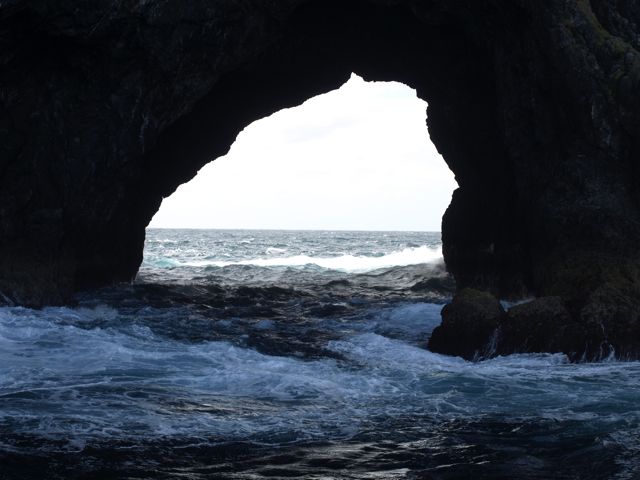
column 346, row 263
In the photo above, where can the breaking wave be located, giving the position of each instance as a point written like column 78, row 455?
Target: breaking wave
column 345, row 263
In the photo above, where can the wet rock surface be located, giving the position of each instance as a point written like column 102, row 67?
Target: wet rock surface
column 612, row 316
column 475, row 327
column 541, row 325
column 468, row 324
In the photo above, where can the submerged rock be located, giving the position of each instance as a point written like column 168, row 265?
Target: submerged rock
column 468, row 325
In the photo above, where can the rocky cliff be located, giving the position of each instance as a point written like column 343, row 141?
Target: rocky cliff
column 107, row 106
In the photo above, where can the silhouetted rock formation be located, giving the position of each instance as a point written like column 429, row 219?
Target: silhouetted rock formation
column 107, row 106
column 541, row 325
column 468, row 324
column 475, row 327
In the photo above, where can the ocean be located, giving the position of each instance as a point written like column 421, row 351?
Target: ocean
column 294, row 354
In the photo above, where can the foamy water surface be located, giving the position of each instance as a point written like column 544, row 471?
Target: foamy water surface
column 320, row 372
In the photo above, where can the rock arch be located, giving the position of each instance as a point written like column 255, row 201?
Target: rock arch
column 107, row 107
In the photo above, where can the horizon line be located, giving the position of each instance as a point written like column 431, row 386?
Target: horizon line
column 291, row 229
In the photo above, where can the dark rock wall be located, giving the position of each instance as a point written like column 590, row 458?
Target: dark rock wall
column 107, row 106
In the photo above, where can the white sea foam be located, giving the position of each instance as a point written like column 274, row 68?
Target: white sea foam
column 346, row 263
column 64, row 374
column 272, row 250
column 411, row 317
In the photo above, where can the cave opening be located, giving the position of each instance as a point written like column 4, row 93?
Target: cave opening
column 231, row 368
column 356, row 158
column 322, row 45
column 175, row 123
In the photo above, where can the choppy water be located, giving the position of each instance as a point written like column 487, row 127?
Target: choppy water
column 249, row 355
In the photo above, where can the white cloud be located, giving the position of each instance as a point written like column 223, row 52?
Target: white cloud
column 356, row 158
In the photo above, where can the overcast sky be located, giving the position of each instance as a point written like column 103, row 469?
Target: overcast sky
column 358, row 158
